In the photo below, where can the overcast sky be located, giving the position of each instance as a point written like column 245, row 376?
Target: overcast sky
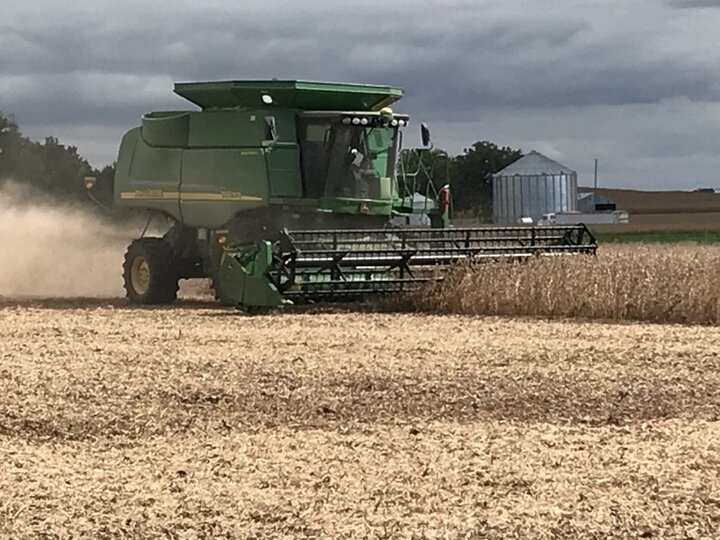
column 635, row 83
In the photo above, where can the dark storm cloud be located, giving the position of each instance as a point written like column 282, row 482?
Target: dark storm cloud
column 453, row 65
column 690, row 4
column 458, row 61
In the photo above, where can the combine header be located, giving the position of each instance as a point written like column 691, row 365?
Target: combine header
column 284, row 191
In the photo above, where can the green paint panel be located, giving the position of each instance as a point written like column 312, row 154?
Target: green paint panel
column 166, row 129
column 218, row 183
column 305, row 95
column 283, row 165
column 147, row 177
column 242, row 278
column 223, row 129
column 156, row 168
column 380, row 146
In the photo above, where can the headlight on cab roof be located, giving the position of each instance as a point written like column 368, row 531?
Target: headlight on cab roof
column 373, row 121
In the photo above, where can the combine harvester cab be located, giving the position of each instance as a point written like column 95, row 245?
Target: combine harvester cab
column 285, row 191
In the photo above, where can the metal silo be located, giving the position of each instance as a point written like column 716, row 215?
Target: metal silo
column 532, row 186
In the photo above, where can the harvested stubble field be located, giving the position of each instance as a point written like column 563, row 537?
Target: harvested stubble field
column 198, row 422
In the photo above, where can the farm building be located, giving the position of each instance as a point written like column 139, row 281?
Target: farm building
column 595, row 202
column 532, row 186
column 674, row 209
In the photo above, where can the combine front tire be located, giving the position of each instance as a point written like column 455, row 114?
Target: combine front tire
column 149, row 273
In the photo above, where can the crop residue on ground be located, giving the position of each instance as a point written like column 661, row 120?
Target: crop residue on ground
column 199, row 422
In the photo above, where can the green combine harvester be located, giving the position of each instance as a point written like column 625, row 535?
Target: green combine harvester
column 286, row 191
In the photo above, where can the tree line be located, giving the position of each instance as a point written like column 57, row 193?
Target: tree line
column 58, row 170
column 49, row 167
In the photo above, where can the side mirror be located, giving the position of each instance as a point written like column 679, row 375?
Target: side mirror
column 425, row 134
column 270, row 129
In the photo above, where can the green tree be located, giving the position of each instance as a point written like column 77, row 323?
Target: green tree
column 10, row 140
column 422, row 167
column 104, row 183
column 63, row 169
column 471, row 175
column 49, row 166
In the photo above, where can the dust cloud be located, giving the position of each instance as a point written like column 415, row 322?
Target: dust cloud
column 51, row 249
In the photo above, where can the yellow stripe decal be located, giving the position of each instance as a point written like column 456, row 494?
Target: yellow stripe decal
column 149, row 194
column 188, row 196
column 221, row 196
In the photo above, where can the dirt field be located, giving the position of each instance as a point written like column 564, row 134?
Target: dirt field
column 198, row 422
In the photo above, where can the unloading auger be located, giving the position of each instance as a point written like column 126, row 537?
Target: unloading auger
column 291, row 191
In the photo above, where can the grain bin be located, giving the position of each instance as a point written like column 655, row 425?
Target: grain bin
column 532, row 186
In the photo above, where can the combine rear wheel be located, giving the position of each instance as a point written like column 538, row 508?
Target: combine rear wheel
column 149, row 273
